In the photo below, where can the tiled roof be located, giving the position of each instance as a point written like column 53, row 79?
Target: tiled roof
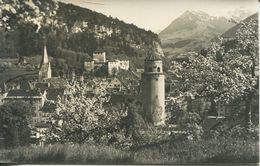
column 42, row 85
column 42, row 125
column 212, row 121
column 153, row 56
column 52, row 94
column 22, row 92
column 99, row 49
column 56, row 82
column 128, row 78
column 24, row 84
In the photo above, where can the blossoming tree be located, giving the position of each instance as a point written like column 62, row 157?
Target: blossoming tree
column 224, row 73
column 82, row 115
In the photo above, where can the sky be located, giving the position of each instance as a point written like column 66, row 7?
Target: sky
column 155, row 15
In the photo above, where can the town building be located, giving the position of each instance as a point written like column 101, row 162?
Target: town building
column 89, row 66
column 153, row 90
column 115, row 85
column 35, row 98
column 130, row 80
column 114, row 66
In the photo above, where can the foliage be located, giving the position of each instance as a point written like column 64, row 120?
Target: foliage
column 4, row 66
column 15, row 123
column 188, row 121
column 27, row 11
column 190, row 124
column 87, row 120
column 223, row 73
column 203, row 76
column 237, row 132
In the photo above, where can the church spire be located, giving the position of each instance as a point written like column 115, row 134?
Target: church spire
column 45, row 56
column 45, row 69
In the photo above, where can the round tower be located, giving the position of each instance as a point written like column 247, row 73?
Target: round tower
column 153, row 90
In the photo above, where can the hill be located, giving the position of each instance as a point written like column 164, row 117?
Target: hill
column 192, row 31
column 80, row 30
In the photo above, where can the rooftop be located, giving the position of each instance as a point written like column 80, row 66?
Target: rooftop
column 23, row 93
column 52, row 94
column 153, row 56
column 56, row 82
column 128, row 78
column 98, row 50
column 42, row 125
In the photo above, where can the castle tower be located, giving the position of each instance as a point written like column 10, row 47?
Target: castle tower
column 45, row 68
column 99, row 55
column 153, row 90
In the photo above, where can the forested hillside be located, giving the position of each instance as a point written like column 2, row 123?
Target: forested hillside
column 77, row 29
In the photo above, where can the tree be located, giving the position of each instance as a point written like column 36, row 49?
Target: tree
column 114, row 71
column 36, row 12
column 82, row 115
column 224, row 73
column 203, row 77
column 15, row 123
column 243, row 60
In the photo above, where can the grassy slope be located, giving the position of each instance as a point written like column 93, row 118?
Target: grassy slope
column 174, row 152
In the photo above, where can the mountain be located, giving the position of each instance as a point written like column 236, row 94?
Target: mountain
column 192, row 31
column 80, row 31
column 231, row 33
column 239, row 14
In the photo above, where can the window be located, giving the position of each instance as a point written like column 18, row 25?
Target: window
column 150, row 69
column 158, row 69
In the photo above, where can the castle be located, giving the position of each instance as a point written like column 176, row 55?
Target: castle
column 99, row 61
column 153, row 90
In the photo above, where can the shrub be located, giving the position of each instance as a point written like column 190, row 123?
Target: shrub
column 190, row 124
column 15, row 120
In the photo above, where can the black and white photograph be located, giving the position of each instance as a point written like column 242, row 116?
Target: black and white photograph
column 129, row 82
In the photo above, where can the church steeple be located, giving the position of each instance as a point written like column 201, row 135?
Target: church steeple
column 45, row 56
column 45, row 68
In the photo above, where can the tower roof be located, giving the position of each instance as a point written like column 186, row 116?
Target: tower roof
column 24, row 93
column 99, row 49
column 153, row 56
column 45, row 56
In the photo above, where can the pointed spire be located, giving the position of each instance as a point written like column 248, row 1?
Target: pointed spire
column 45, row 56
column 49, row 69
